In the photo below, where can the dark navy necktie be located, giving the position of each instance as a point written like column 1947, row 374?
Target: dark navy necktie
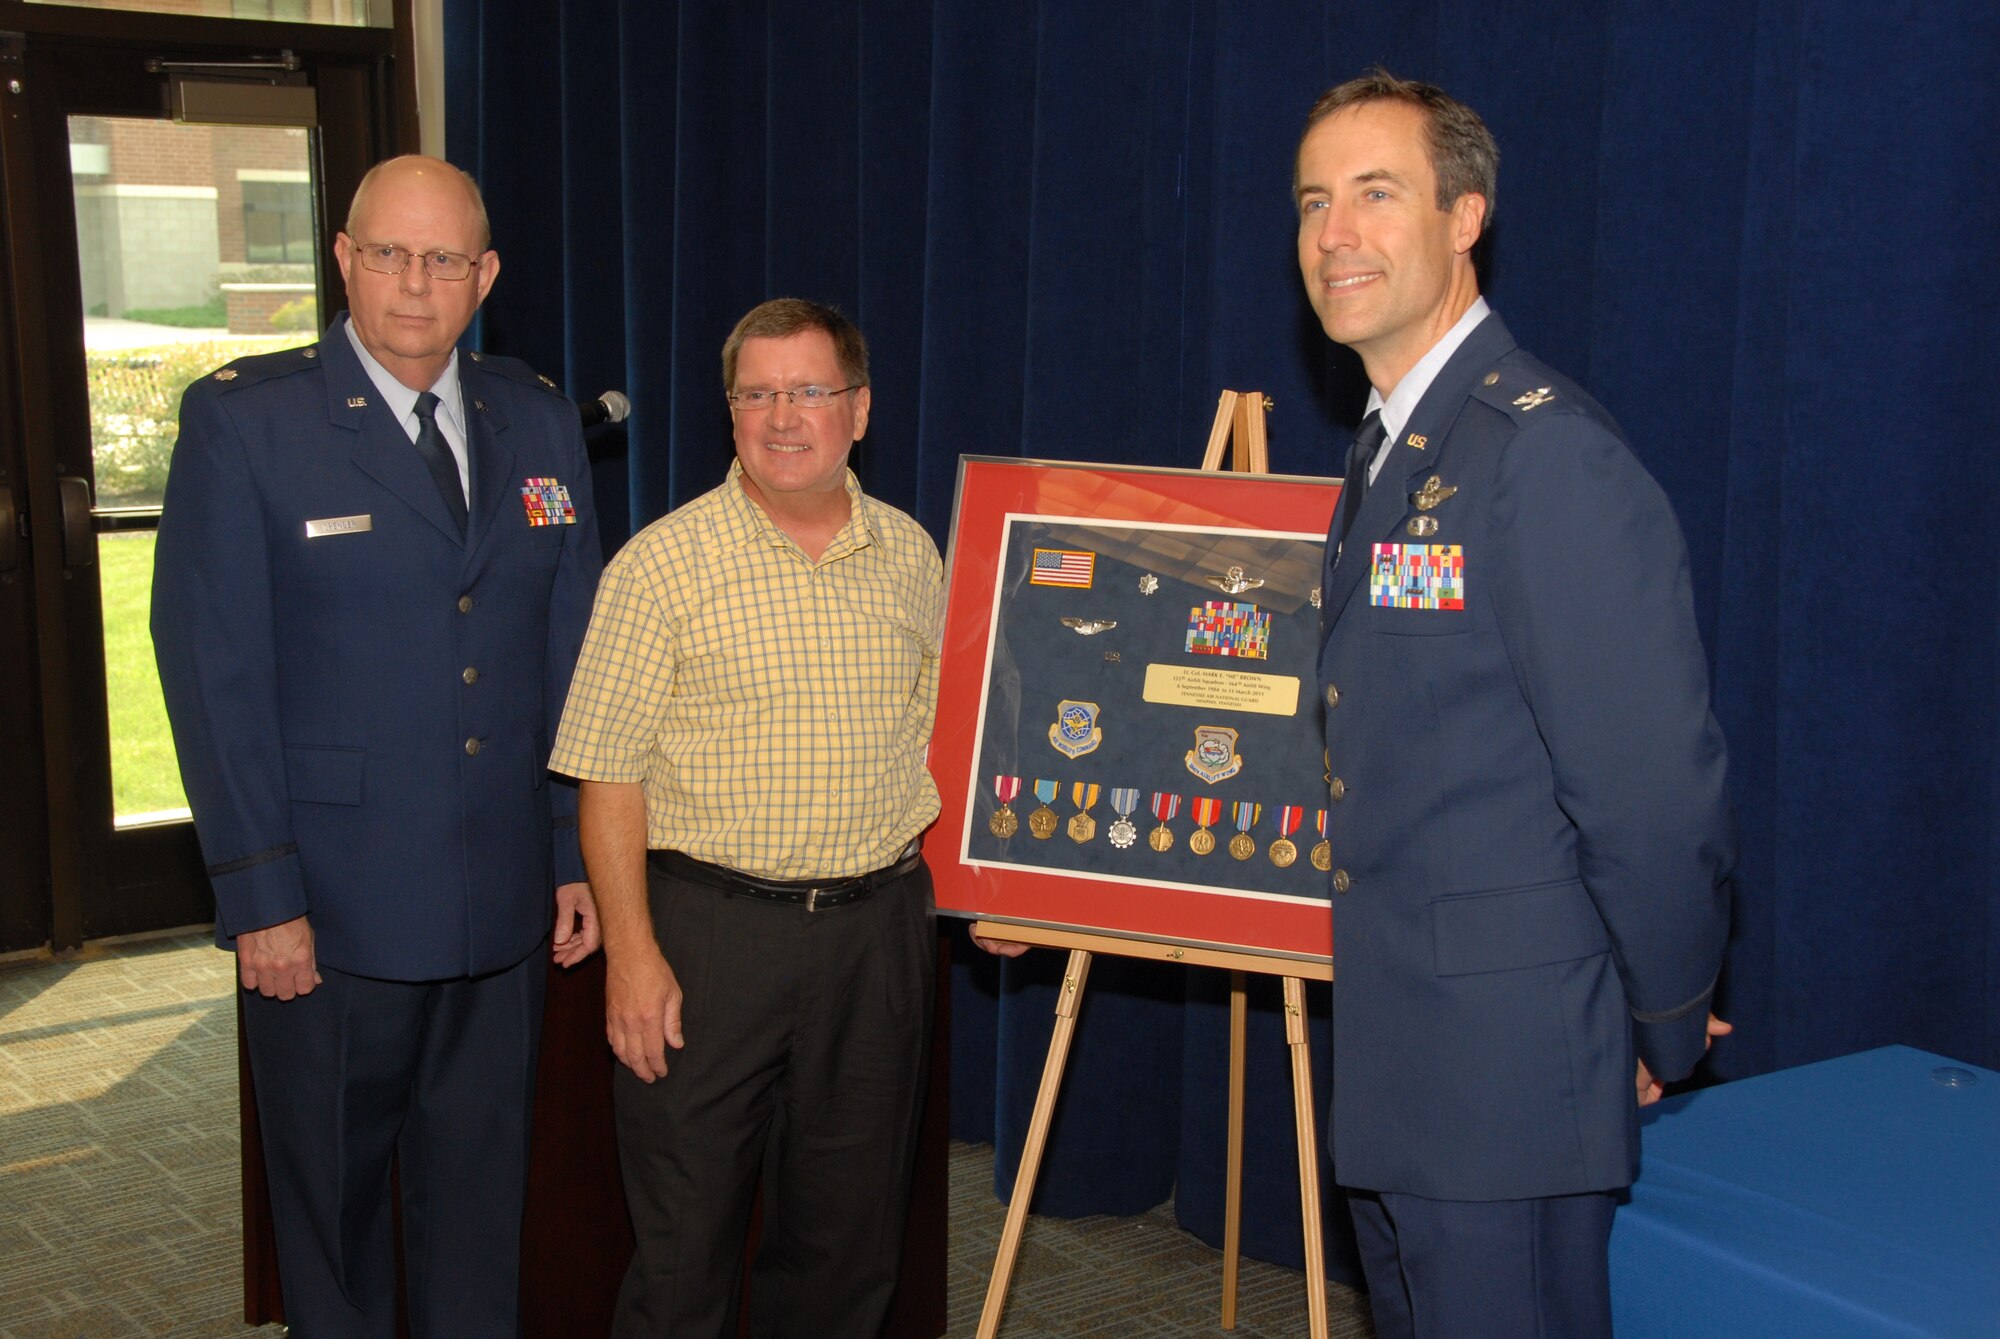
column 1355, row 486
column 444, row 470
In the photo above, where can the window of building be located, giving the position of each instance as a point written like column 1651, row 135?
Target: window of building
column 277, row 222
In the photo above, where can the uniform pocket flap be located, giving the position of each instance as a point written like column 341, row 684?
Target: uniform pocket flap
column 1518, row 927
column 324, row 775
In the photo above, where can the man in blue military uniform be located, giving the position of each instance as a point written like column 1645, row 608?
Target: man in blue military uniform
column 1531, row 840
column 375, row 568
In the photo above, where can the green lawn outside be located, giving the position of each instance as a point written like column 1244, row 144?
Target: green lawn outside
column 145, row 777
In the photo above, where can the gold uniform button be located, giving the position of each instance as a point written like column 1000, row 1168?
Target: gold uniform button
column 1341, row 883
column 465, row 604
column 472, row 751
column 469, row 675
column 1338, row 789
column 1332, row 696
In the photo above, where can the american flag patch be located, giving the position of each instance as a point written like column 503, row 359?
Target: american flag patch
column 1062, row 567
column 1417, row 576
column 1226, row 628
column 547, row 502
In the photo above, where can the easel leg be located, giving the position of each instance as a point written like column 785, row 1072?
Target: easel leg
column 1232, row 1201
column 1302, row 1098
column 1031, row 1154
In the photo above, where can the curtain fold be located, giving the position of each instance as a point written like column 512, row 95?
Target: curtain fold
column 1753, row 230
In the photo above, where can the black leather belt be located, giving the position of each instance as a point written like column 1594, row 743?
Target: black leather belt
column 812, row 894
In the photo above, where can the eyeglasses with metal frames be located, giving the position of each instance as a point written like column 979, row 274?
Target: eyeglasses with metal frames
column 804, row 397
column 384, row 258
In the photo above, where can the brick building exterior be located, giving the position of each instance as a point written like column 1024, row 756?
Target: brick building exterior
column 168, row 214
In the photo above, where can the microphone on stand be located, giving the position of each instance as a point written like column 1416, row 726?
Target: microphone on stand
column 610, row 407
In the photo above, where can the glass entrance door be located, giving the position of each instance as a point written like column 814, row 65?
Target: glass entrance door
column 148, row 242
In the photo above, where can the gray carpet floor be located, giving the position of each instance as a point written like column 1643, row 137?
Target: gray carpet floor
column 119, row 1211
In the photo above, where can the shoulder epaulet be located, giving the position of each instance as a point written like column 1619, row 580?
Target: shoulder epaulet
column 260, row 367
column 1521, row 387
column 514, row 370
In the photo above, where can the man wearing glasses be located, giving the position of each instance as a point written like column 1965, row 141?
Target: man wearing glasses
column 374, row 570
column 748, row 721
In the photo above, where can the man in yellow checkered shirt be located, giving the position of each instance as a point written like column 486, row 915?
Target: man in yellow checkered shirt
column 748, row 722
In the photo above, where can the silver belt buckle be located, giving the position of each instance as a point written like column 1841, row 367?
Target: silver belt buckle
column 812, row 899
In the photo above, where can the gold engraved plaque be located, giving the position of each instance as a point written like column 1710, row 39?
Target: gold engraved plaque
column 1222, row 690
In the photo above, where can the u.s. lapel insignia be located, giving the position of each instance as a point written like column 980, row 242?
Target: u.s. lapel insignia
column 226, row 374
column 480, row 405
column 357, row 402
column 1418, row 440
column 1535, row 398
column 1434, row 491
column 1075, row 731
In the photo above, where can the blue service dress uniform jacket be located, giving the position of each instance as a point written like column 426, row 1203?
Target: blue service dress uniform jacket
column 363, row 701
column 1530, row 832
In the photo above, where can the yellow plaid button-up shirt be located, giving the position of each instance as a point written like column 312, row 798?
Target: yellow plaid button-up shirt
column 776, row 709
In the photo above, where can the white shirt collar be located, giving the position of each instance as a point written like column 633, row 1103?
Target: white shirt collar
column 402, row 401
column 1408, row 393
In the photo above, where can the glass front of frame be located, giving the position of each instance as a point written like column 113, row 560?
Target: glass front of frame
column 1129, row 734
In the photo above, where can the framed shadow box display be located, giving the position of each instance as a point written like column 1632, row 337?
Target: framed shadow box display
column 1129, row 736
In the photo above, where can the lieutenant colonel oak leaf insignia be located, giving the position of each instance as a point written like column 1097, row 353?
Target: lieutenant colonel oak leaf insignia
column 547, row 502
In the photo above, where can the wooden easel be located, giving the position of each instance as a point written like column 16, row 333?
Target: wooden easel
column 1240, row 414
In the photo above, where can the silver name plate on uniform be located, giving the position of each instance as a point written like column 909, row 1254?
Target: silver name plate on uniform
column 339, row 525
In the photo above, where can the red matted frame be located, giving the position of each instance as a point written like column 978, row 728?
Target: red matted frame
column 990, row 490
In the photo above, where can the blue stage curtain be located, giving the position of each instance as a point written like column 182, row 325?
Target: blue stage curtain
column 1751, row 228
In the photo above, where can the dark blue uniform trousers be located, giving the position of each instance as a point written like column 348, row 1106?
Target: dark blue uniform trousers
column 1500, row 1269
column 439, row 1075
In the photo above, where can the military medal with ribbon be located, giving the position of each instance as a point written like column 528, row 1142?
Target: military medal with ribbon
column 1124, row 799
column 1082, row 827
column 1282, row 852
column 1246, row 815
column 1043, row 821
column 1322, row 856
column 1004, row 823
column 1204, row 809
column 1165, row 806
